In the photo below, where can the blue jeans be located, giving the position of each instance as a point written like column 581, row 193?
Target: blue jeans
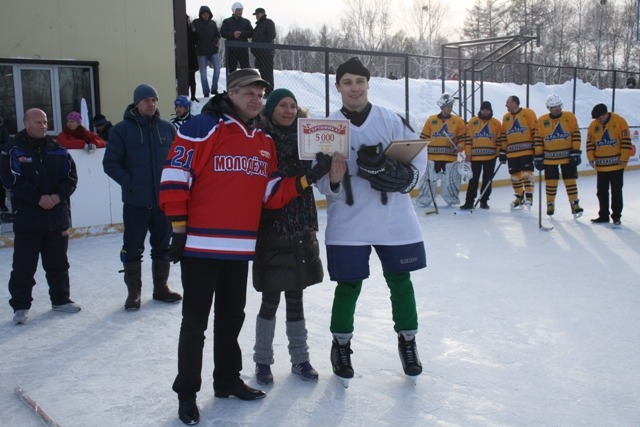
column 203, row 63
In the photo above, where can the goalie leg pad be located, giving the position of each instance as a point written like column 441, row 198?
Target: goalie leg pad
column 451, row 184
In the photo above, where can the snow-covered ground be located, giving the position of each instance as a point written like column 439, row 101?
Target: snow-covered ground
column 517, row 327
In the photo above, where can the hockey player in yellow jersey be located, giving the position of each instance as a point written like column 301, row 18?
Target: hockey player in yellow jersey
column 448, row 134
column 482, row 149
column 608, row 151
column 557, row 144
column 518, row 132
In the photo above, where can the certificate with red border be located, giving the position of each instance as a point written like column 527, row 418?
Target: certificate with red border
column 322, row 135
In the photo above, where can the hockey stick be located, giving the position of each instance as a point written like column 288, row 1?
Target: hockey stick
column 44, row 417
column 486, row 187
column 540, row 226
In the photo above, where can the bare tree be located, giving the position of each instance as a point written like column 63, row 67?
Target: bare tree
column 367, row 24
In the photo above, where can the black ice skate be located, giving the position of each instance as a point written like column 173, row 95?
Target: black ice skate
column 409, row 356
column 341, row 361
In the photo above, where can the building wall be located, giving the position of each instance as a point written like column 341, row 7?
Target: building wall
column 132, row 40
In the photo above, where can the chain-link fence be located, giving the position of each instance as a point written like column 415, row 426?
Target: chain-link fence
column 402, row 89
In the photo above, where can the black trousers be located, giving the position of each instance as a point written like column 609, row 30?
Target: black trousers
column 235, row 56
column 138, row 220
column 484, row 167
column 202, row 280
column 27, row 248
column 613, row 179
column 264, row 64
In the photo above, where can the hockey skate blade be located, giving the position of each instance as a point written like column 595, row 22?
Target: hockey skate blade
column 577, row 215
column 343, row 381
column 543, row 228
column 413, row 379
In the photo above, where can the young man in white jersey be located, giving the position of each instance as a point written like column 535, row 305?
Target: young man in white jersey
column 377, row 213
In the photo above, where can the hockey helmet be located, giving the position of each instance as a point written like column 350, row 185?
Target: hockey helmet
column 182, row 101
column 236, row 5
column 445, row 100
column 553, row 101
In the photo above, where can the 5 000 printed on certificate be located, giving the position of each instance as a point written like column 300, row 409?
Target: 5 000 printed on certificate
column 322, row 135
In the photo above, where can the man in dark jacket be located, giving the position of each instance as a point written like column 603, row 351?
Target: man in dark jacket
column 41, row 176
column 208, row 38
column 135, row 154
column 264, row 32
column 4, row 140
column 237, row 28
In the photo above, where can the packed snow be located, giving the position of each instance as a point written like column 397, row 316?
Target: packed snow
column 518, row 326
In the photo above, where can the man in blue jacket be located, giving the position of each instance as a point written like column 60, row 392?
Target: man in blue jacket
column 237, row 28
column 135, row 155
column 41, row 177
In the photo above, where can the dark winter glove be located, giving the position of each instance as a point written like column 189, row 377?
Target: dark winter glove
column 538, row 162
column 320, row 169
column 575, row 157
column 502, row 157
column 178, row 240
column 384, row 173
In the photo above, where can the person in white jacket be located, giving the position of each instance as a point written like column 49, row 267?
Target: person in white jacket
column 370, row 207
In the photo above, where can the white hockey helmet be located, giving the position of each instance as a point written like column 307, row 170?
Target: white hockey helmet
column 445, row 100
column 553, row 101
column 236, row 5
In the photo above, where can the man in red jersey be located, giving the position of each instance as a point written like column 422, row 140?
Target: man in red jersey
column 220, row 173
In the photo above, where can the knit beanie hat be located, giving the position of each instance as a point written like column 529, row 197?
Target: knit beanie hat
column 275, row 97
column 144, row 91
column 486, row 105
column 352, row 66
column 99, row 120
column 74, row 117
column 598, row 111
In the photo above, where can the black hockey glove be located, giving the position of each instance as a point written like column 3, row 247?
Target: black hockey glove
column 320, row 169
column 502, row 157
column 575, row 157
column 384, row 173
column 538, row 162
column 178, row 240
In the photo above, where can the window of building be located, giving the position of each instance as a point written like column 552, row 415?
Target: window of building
column 56, row 87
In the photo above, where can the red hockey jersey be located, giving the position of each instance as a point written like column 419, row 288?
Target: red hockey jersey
column 218, row 175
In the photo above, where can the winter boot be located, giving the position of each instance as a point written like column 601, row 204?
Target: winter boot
column 576, row 210
column 528, row 199
column 341, row 356
column 551, row 208
column 263, row 349
column 484, row 205
column 299, row 350
column 518, row 203
column 160, row 273
column 133, row 280
column 409, row 353
column 467, row 206
column 263, row 374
